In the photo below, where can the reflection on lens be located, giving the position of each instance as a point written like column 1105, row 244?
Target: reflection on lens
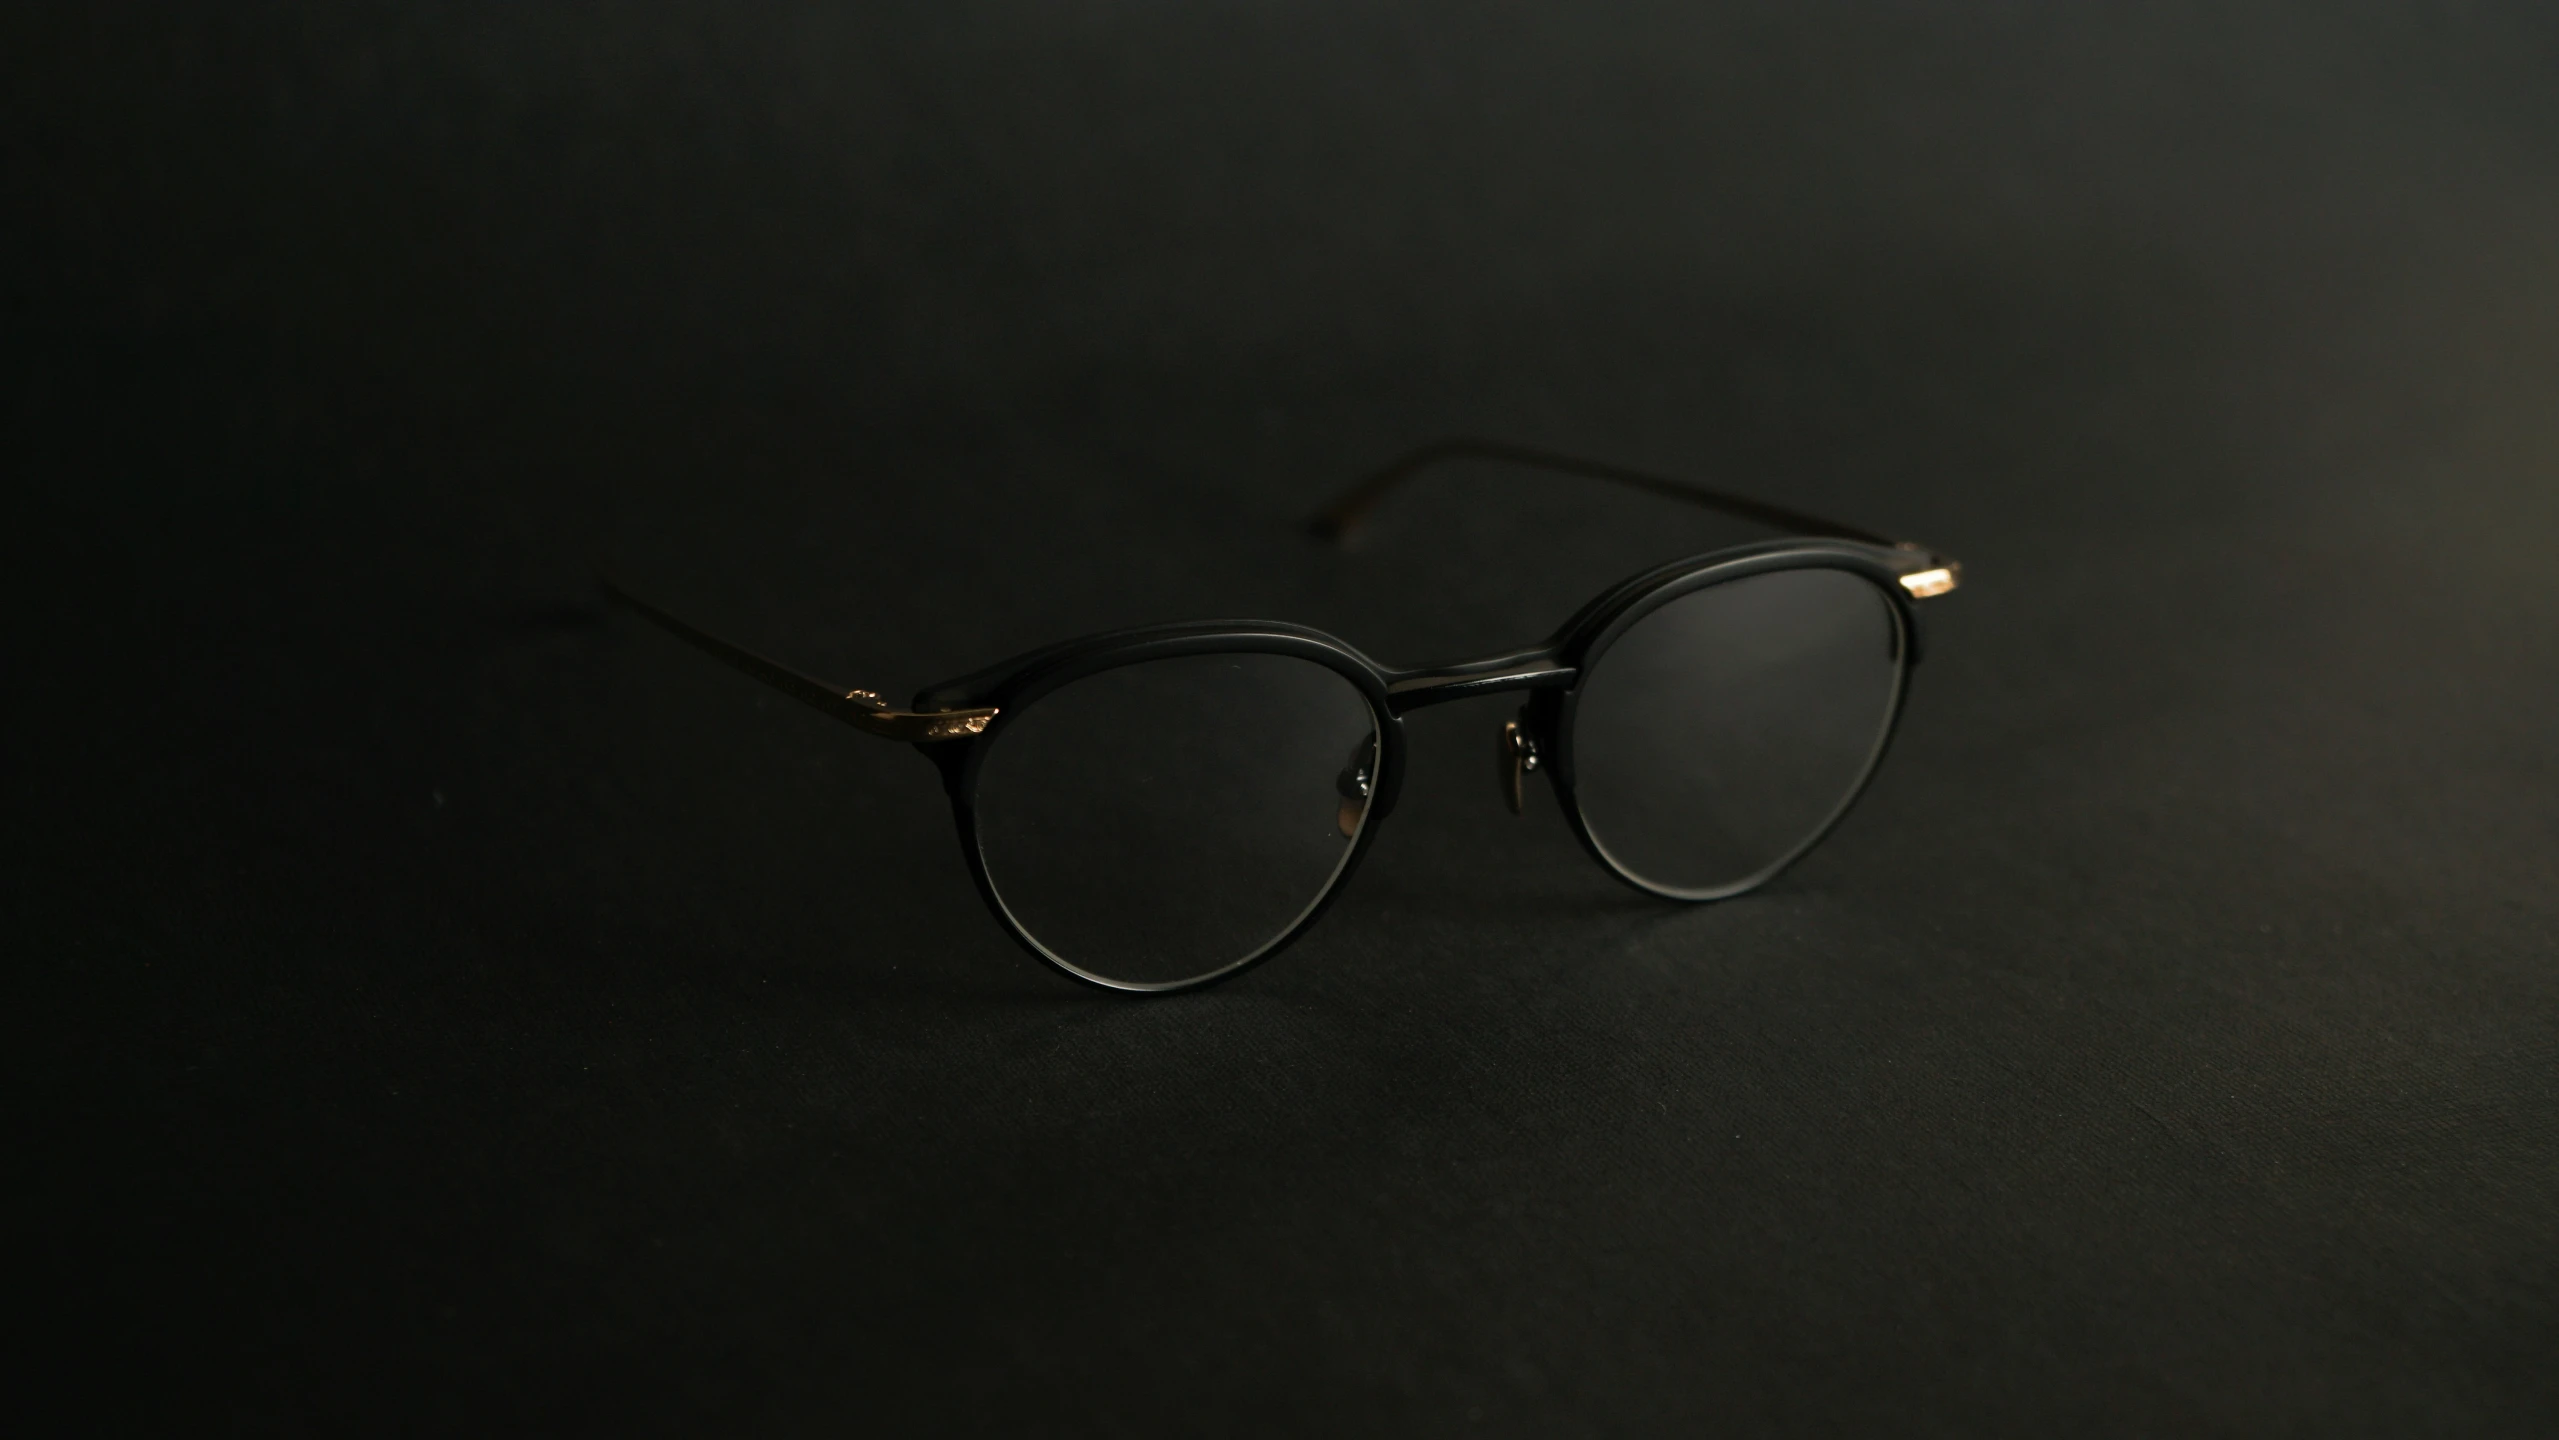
column 1164, row 821
column 1723, row 732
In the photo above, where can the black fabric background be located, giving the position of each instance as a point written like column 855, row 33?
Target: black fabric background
column 446, row 1005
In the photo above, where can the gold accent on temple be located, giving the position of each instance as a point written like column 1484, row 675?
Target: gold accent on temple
column 864, row 710
column 874, row 715
column 1928, row 583
column 922, row 725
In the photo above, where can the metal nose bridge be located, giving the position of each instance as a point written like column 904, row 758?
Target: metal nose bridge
column 1484, row 677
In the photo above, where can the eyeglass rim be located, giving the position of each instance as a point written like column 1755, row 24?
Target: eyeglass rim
column 1056, row 667
column 1555, row 716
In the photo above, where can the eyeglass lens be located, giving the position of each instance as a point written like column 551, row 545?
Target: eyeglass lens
column 1721, row 734
column 1163, row 821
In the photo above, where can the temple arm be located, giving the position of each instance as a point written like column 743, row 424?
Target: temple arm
column 861, row 709
column 1345, row 515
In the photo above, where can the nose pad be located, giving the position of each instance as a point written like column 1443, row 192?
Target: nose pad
column 1356, row 783
column 1517, row 755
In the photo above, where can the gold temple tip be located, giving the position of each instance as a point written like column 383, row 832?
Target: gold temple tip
column 1929, row 583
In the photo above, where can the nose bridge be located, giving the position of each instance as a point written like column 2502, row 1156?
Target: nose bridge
column 1533, row 670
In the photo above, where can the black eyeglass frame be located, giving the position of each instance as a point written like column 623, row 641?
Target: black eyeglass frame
column 956, row 723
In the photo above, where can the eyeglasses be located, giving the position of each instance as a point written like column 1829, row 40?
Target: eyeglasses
column 1151, row 810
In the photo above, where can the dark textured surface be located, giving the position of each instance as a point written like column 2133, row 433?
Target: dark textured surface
column 448, row 1005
